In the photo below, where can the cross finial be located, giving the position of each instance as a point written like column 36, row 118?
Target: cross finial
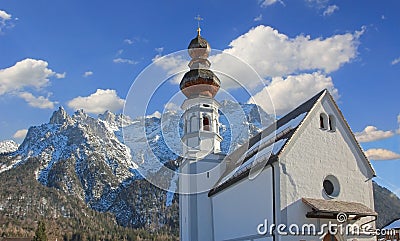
column 198, row 18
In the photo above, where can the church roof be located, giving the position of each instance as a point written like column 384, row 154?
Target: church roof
column 265, row 147
column 322, row 208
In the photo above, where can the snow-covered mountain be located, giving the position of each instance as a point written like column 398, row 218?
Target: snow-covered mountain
column 8, row 146
column 100, row 160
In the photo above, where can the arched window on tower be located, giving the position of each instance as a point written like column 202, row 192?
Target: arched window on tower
column 323, row 121
column 206, row 123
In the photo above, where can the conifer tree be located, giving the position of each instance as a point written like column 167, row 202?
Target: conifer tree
column 40, row 234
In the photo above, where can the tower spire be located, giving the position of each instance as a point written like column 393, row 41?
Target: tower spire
column 198, row 18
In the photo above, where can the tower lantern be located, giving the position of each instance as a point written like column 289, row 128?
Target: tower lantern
column 200, row 85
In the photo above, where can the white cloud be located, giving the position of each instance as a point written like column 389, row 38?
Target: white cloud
column 173, row 65
column 288, row 93
column 87, row 74
column 61, row 76
column 330, row 10
column 275, row 54
column 371, row 133
column 398, row 121
column 323, row 5
column 317, row 3
column 381, row 154
column 20, row 134
column 258, row 18
column 396, row 61
column 98, row 102
column 266, row 3
column 38, row 102
column 4, row 20
column 159, row 50
column 26, row 73
column 4, row 15
column 124, row 61
column 135, row 40
column 128, row 41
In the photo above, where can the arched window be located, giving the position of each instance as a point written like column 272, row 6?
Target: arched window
column 323, row 121
column 206, row 123
column 332, row 123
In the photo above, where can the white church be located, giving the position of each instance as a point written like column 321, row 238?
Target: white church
column 306, row 170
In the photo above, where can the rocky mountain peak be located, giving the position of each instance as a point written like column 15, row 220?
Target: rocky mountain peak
column 60, row 117
column 80, row 115
column 107, row 116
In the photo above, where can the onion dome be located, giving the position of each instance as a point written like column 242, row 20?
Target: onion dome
column 199, row 80
column 199, row 47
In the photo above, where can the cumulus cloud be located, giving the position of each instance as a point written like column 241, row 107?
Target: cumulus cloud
column 287, row 93
column 38, row 102
column 330, row 10
column 98, row 102
column 275, row 54
column 26, row 73
column 381, row 154
column 371, row 133
column 20, row 134
column 124, row 61
column 395, row 61
column 87, row 74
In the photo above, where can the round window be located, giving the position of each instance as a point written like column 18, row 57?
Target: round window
column 331, row 186
column 328, row 187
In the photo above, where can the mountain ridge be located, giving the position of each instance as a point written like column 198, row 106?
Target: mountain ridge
column 86, row 157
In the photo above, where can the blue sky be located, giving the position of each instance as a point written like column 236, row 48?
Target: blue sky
column 86, row 54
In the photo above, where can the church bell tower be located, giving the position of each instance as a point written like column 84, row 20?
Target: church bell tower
column 202, row 162
column 200, row 85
